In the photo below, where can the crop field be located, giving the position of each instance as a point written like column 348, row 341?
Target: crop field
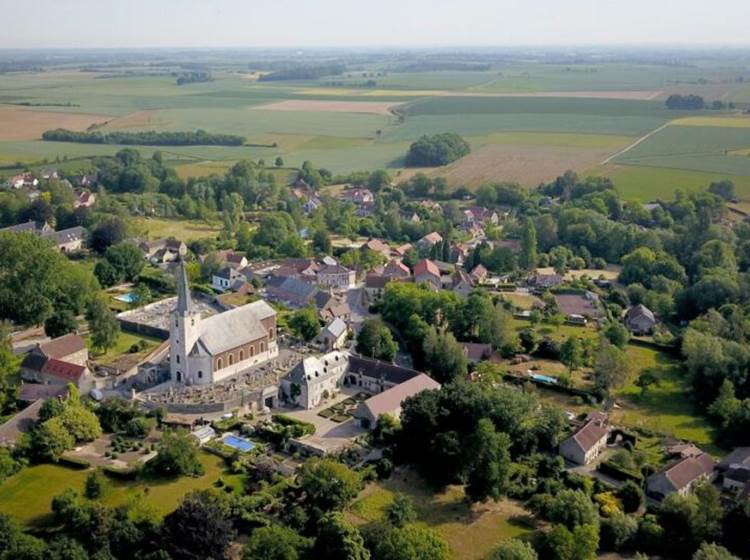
column 525, row 122
column 187, row 230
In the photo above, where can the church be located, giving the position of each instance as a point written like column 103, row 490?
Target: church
column 204, row 351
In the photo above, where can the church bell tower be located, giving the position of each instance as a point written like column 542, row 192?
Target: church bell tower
column 184, row 330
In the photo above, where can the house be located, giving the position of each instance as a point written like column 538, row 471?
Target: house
column 333, row 336
column 576, row 306
column 426, row 271
column 640, row 320
column 358, row 196
column 462, row 283
column 377, row 246
column 68, row 348
column 67, row 240
column 84, row 199
column 29, row 227
column 88, row 181
column 50, row 173
column 734, row 471
column 680, row 477
column 60, row 361
column 304, row 268
column 331, row 306
column 337, row 277
column 480, row 215
column 315, row 379
column 375, row 286
column 207, row 350
column 163, row 250
column 476, row 352
column 390, row 401
column 375, row 376
column 457, row 254
column 225, row 278
column 586, row 443
column 311, row 204
column 545, row 281
column 396, row 269
column 32, row 392
column 479, row 274
column 290, row 290
column 430, row 240
column 22, row 180
column 401, row 250
column 232, row 258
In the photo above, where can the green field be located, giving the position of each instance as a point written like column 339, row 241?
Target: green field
column 472, row 531
column 187, row 230
column 27, row 495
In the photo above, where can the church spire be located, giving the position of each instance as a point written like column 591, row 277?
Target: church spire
column 184, row 302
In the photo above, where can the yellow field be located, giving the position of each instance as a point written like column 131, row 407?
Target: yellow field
column 723, row 122
column 203, row 169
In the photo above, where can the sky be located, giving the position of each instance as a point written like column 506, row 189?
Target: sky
column 372, row 23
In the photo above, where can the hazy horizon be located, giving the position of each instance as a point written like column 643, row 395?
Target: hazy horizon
column 295, row 24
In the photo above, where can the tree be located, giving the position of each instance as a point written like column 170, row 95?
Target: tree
column 65, row 548
column 126, row 259
column 378, row 179
column 712, row 551
column 106, row 274
column 572, row 508
column 496, row 327
column 328, row 485
column 104, row 327
column 528, row 256
column 491, row 460
column 571, row 353
column 279, row 162
column 724, row 189
column 276, row 542
column 617, row 334
column 94, row 484
column 401, row 511
column 200, row 528
column 444, row 358
column 412, row 543
column 107, row 232
column 736, row 522
column 337, row 538
column 610, row 367
column 304, row 323
column 631, row 496
column 17, row 545
column 617, row 530
column 177, row 455
column 51, row 439
column 376, row 341
column 439, row 149
column 61, row 323
column 321, row 241
column 514, row 549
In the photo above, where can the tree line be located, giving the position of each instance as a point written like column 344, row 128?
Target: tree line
column 145, row 138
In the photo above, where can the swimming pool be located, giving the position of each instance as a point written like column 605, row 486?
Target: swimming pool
column 241, row 444
column 544, row 378
column 130, row 297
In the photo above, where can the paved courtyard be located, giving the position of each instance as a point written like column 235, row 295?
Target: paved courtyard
column 331, row 436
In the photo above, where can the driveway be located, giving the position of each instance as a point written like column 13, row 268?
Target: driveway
column 359, row 311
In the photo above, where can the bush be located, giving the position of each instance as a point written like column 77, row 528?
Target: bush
column 440, row 149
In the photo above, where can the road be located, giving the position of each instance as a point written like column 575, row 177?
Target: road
column 359, row 311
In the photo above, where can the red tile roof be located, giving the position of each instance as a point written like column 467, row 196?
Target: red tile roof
column 63, row 370
column 426, row 266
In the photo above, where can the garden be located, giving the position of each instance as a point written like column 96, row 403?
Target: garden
column 343, row 410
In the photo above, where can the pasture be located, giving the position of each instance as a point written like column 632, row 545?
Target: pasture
column 27, row 495
column 471, row 531
column 187, row 230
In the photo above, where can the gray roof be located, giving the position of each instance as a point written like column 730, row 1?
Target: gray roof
column 314, row 367
column 638, row 311
column 18, row 228
column 66, row 235
column 390, row 400
column 390, row 373
column 234, row 328
column 293, row 286
column 337, row 327
column 184, row 301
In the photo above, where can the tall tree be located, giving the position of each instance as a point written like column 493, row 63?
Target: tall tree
column 338, row 538
column 103, row 324
column 528, row 257
column 491, row 459
column 200, row 528
column 376, row 341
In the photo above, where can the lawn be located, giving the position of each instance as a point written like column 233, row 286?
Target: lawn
column 184, row 230
column 472, row 531
column 119, row 355
column 28, row 494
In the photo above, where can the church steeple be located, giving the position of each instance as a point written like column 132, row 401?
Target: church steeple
column 184, row 302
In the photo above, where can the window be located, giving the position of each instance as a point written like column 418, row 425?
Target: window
column 242, row 355
column 252, row 351
column 176, row 322
column 270, row 334
column 219, row 364
column 231, row 359
column 177, row 357
column 200, row 375
column 262, row 346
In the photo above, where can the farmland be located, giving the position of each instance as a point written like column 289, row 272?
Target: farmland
column 526, row 122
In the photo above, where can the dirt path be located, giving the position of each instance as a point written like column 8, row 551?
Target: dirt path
column 634, row 144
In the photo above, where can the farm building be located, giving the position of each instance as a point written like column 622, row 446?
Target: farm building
column 426, row 271
column 586, row 443
column 680, row 477
column 333, row 336
column 640, row 320
column 389, row 401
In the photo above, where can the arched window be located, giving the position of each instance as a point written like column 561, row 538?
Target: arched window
column 262, row 346
column 252, row 350
column 219, row 364
column 270, row 334
column 242, row 355
column 177, row 357
column 200, row 375
column 231, row 359
column 179, row 377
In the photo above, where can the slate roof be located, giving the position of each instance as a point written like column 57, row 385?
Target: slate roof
column 740, row 456
column 34, row 361
column 20, row 423
column 376, row 281
column 314, row 367
column 336, row 328
column 391, row 373
column 389, row 401
column 29, row 226
column 66, row 235
column 293, row 286
column 31, row 392
column 63, row 346
column 234, row 328
column 638, row 311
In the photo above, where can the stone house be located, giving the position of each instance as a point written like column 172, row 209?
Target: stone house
column 389, row 402
column 586, row 443
column 681, row 477
column 640, row 320
column 337, row 277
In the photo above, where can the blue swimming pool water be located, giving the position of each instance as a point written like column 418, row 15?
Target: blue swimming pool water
column 239, row 443
column 130, row 297
column 545, row 378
